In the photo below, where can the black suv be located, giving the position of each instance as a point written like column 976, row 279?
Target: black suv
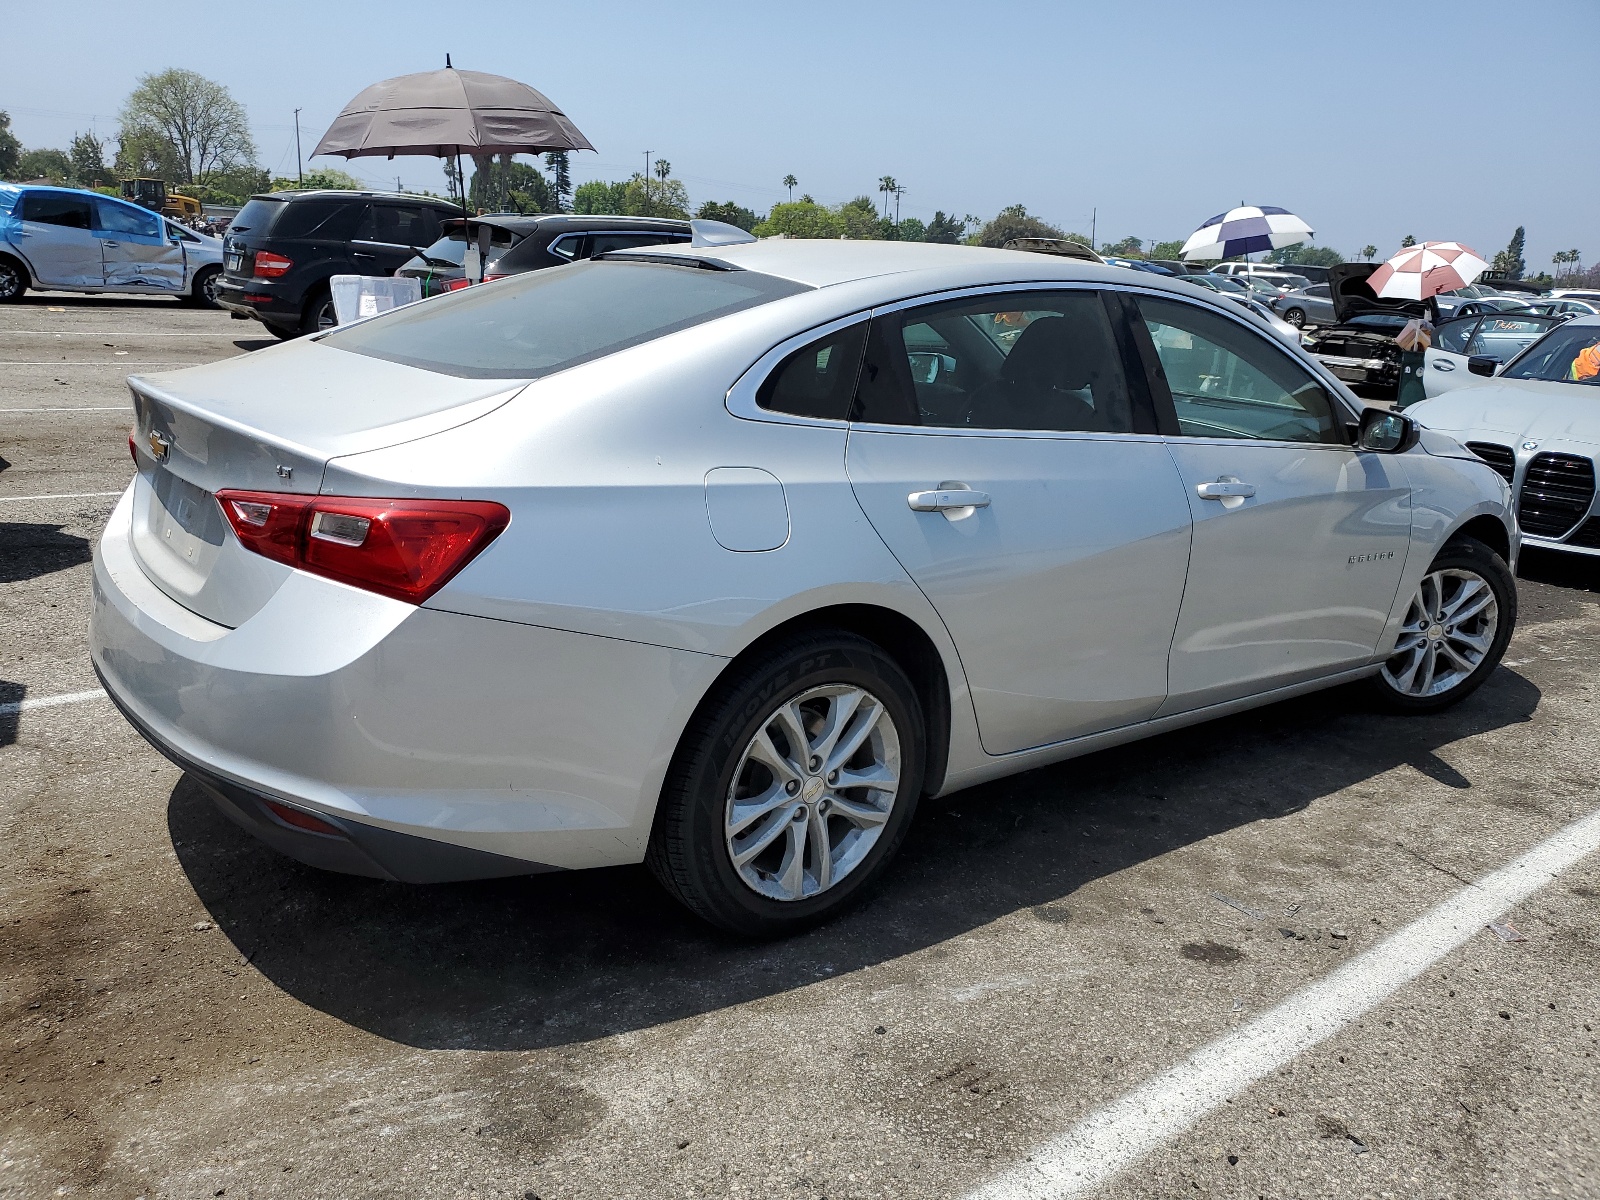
column 282, row 248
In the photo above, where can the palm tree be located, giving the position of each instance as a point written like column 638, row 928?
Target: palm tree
column 1369, row 251
column 1408, row 240
column 886, row 185
column 790, row 182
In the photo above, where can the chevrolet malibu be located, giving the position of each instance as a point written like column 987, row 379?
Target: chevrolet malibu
column 722, row 557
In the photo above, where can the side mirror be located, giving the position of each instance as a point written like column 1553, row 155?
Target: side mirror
column 1482, row 364
column 1385, row 432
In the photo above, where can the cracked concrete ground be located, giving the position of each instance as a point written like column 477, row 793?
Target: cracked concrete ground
column 187, row 1014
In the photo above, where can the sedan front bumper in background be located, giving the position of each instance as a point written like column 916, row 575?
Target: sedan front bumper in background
column 436, row 745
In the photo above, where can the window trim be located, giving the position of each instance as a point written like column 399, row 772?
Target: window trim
column 1167, row 413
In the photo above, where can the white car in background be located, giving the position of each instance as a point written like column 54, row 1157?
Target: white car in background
column 1495, row 338
column 1538, row 423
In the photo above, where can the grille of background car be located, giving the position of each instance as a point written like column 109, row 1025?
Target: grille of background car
column 1556, row 494
column 1500, row 458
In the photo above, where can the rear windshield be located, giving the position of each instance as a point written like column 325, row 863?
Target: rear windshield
column 256, row 216
column 452, row 247
column 546, row 321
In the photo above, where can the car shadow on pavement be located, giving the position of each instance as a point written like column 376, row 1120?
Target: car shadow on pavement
column 556, row 959
column 249, row 344
column 28, row 551
column 11, row 693
column 1560, row 569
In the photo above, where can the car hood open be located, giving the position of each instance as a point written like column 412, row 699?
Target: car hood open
column 1351, row 295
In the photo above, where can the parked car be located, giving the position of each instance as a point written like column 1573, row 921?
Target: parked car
column 1359, row 345
column 283, row 247
column 577, row 571
column 1305, row 306
column 1492, row 304
column 1308, row 274
column 442, row 266
column 1065, row 247
column 1178, row 267
column 1575, row 294
column 1567, row 308
column 1277, row 324
column 1221, row 284
column 1538, row 423
column 1497, row 337
column 565, row 239
column 81, row 241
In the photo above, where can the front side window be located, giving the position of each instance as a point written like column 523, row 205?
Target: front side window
column 1568, row 354
column 1452, row 336
column 1045, row 360
column 1228, row 382
column 540, row 322
column 818, row 380
column 56, row 208
column 125, row 218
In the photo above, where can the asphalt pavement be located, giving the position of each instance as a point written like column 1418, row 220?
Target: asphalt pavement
column 187, row 1014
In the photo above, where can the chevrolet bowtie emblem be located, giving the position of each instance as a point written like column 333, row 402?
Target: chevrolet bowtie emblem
column 159, row 445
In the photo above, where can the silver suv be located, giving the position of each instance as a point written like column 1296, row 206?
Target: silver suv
column 82, row 241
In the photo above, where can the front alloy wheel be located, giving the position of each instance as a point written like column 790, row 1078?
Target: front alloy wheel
column 1454, row 632
column 812, row 792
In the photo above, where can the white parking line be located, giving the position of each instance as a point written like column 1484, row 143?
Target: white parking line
column 1109, row 1141
column 72, row 408
column 4, row 363
column 63, row 496
column 122, row 333
column 21, row 706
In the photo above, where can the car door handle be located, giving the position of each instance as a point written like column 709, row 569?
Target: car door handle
column 1224, row 489
column 1443, row 364
column 361, row 254
column 947, row 499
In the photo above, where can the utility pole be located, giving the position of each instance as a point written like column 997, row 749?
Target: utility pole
column 647, row 155
column 299, row 169
column 1094, row 216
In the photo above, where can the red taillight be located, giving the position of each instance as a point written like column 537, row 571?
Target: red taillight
column 270, row 266
column 302, row 820
column 491, row 278
column 455, row 285
column 407, row 549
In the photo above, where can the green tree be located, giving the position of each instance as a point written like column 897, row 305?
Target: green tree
column 1312, row 256
column 88, row 154
column 887, row 186
column 327, row 177
column 1014, row 222
column 729, row 213
column 911, row 230
column 146, row 154
column 1407, row 241
column 803, row 219
column 1510, row 259
column 1128, row 247
column 790, row 182
column 1369, row 252
column 205, row 126
column 10, row 148
column 560, row 179
column 860, row 218
column 53, row 165
column 597, row 198
column 1167, row 250
column 946, row 230
column 503, row 185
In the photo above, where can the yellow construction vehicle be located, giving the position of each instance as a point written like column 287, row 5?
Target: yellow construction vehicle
column 153, row 194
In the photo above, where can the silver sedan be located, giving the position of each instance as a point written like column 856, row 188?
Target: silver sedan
column 722, row 557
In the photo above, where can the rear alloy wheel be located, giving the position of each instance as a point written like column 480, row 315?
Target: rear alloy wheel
column 13, row 281
column 1455, row 630
column 1296, row 317
column 793, row 788
column 320, row 315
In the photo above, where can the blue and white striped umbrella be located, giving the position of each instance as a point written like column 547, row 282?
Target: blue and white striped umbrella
column 1244, row 231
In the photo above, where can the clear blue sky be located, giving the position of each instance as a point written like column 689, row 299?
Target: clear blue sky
column 1372, row 120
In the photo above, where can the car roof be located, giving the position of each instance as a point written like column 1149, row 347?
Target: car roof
column 914, row 267
column 588, row 221
column 349, row 194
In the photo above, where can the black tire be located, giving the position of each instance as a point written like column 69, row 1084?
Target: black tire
column 1463, row 556
column 689, row 850
column 13, row 280
column 319, row 316
column 1296, row 317
column 203, row 293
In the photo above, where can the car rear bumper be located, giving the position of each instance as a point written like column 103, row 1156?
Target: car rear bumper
column 258, row 299
column 438, row 746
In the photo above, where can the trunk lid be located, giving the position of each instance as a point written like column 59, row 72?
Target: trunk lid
column 270, row 422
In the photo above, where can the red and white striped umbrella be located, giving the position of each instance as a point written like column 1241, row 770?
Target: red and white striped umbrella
column 1418, row 272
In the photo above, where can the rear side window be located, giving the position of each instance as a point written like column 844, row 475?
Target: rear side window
column 540, row 322
column 125, row 218
column 599, row 243
column 398, row 225
column 320, row 218
column 818, row 380
column 55, row 208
